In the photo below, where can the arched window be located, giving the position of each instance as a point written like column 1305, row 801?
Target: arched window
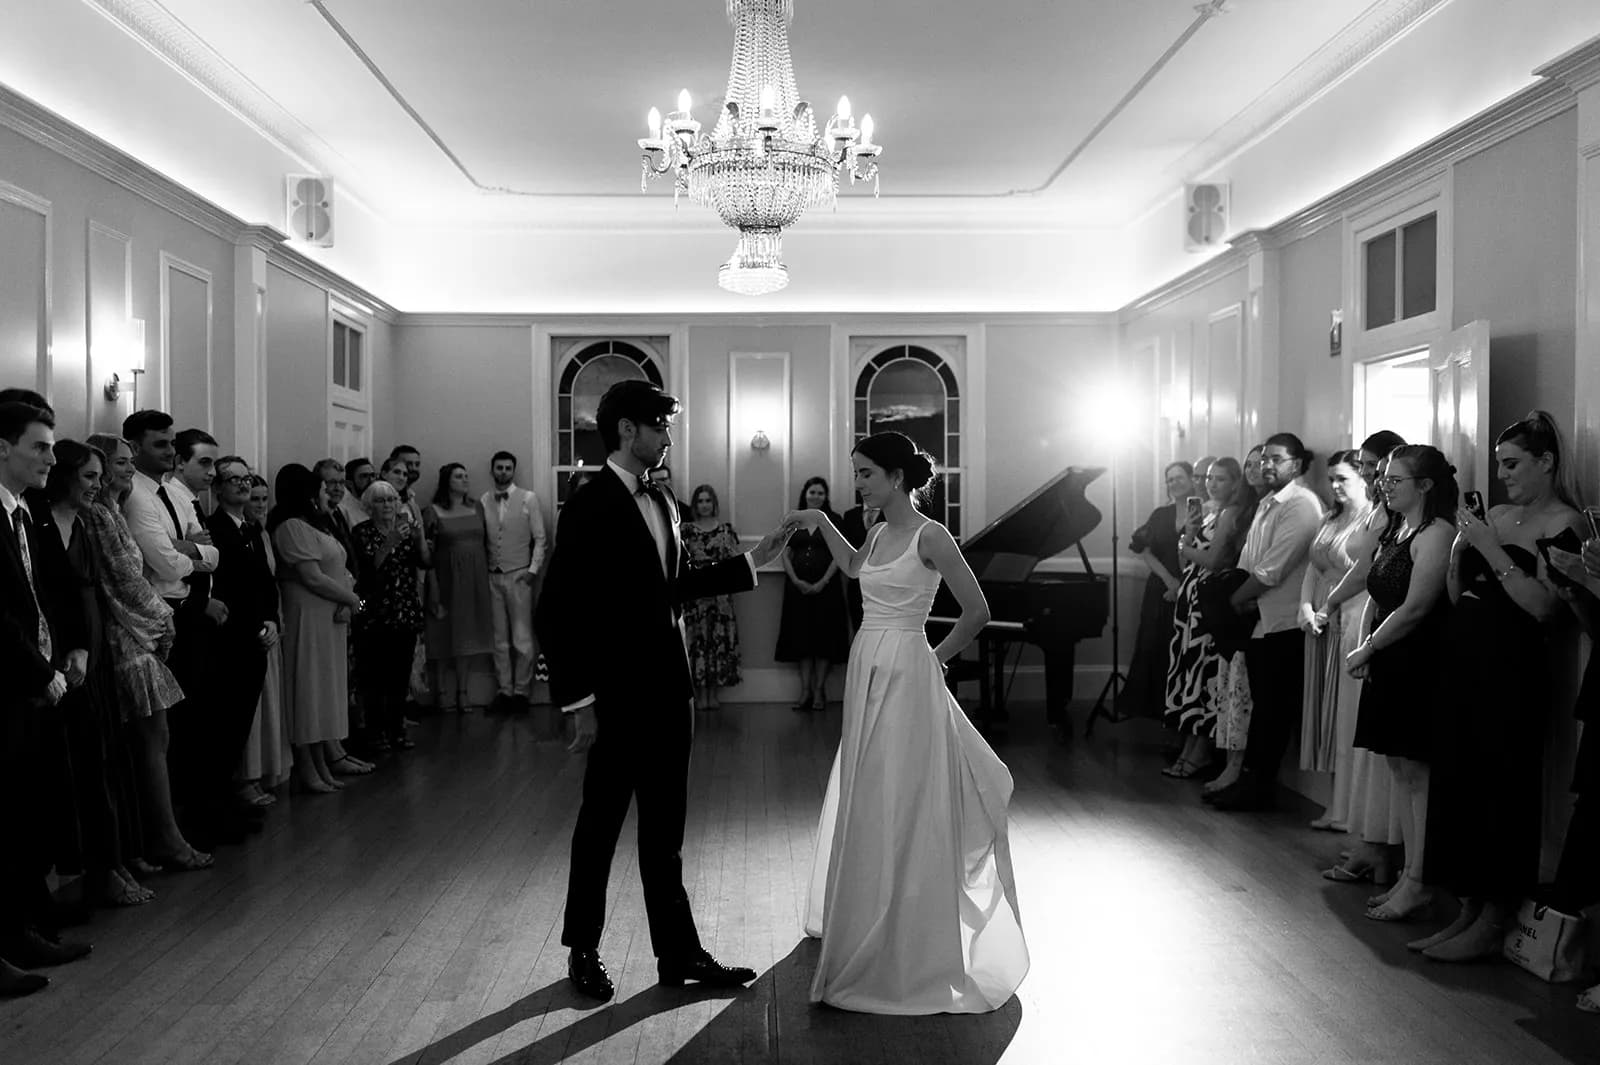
column 584, row 379
column 911, row 390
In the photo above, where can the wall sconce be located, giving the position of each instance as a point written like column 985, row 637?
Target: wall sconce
column 131, row 360
column 759, row 442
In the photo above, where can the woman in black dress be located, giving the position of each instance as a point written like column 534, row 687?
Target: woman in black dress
column 1489, row 727
column 815, row 628
column 1156, row 542
column 104, row 790
column 1399, row 659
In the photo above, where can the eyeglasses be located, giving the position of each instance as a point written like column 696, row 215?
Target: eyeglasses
column 243, row 481
column 1390, row 482
column 1276, row 460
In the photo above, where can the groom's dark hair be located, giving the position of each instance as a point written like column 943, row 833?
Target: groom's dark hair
column 641, row 402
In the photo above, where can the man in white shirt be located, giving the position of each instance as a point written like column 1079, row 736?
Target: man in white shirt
column 516, row 542
column 174, row 548
column 1276, row 551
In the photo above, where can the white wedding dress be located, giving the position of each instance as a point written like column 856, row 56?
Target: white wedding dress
column 911, row 885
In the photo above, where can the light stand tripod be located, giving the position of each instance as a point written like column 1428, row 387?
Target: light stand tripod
column 1117, row 680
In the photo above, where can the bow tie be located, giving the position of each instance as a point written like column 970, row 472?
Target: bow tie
column 501, row 497
column 647, row 486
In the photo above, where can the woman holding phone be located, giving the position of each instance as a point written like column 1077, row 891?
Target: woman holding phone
column 1488, row 735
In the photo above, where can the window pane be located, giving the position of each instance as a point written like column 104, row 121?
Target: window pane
column 597, row 375
column 353, row 363
column 952, row 487
column 952, row 450
column 1419, row 280
column 1380, row 280
column 338, row 357
column 908, row 397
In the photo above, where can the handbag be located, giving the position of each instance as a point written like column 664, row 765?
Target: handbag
column 1548, row 943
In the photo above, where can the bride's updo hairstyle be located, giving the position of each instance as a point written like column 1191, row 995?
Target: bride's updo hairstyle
column 898, row 453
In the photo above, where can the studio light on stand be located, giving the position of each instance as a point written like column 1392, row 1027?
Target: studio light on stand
column 1110, row 416
column 130, row 360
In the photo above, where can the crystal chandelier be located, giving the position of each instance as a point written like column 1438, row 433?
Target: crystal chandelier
column 764, row 163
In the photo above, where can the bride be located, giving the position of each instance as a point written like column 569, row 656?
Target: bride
column 911, row 884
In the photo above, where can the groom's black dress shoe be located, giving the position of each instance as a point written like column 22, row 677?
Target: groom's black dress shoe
column 588, row 974
column 705, row 969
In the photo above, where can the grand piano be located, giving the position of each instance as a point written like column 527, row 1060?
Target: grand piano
column 1051, row 610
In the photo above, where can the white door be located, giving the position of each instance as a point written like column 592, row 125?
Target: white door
column 348, row 433
column 1458, row 393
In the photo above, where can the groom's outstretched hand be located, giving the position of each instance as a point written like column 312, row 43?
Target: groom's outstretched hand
column 585, row 728
column 771, row 545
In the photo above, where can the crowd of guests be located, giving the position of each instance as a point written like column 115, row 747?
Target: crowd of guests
column 175, row 651
column 1410, row 637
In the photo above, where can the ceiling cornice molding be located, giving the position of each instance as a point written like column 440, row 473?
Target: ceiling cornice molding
column 170, row 40
column 1361, row 41
column 761, row 321
column 262, row 237
column 295, row 262
column 1537, row 103
column 63, row 137
column 1186, row 283
column 1578, row 69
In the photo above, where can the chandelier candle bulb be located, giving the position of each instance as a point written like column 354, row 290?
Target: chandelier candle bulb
column 842, row 113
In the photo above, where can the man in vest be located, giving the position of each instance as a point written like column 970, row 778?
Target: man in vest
column 516, row 542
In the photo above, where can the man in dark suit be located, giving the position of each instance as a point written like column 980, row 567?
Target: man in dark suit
column 246, row 586
column 854, row 524
column 40, row 641
column 609, row 622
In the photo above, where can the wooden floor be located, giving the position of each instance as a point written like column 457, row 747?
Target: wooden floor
column 416, row 918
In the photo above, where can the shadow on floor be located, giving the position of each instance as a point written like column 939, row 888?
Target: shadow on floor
column 775, row 1011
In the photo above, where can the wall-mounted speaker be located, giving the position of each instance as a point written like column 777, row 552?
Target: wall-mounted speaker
column 309, row 209
column 1205, row 216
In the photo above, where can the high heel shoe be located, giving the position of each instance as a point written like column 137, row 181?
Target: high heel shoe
column 1389, row 912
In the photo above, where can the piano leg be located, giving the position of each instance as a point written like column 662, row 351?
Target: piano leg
column 1059, row 666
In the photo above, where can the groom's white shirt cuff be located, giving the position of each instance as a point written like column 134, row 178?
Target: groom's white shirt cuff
column 588, row 700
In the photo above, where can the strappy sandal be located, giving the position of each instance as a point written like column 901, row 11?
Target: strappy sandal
column 1183, row 769
column 126, row 894
column 189, row 861
column 1343, row 874
column 352, row 768
column 1589, row 1001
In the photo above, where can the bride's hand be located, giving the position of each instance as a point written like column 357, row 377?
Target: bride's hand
column 810, row 518
column 771, row 545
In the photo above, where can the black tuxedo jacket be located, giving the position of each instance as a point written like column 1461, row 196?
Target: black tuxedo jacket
column 608, row 619
column 27, row 673
column 242, row 581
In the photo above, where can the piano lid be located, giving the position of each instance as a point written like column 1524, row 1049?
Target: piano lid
column 1051, row 520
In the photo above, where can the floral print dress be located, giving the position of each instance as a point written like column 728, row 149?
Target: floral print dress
column 712, row 630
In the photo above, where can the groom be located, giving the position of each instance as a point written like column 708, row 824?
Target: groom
column 609, row 624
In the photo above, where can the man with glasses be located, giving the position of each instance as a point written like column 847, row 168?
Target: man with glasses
column 1275, row 555
column 358, row 477
column 244, row 582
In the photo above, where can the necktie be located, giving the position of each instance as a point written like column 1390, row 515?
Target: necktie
column 199, row 514
column 172, row 512
column 19, row 524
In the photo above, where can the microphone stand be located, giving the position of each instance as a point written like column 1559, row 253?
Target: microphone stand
column 1117, row 680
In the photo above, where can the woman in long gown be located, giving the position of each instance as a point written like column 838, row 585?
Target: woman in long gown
column 911, row 886
column 1328, row 725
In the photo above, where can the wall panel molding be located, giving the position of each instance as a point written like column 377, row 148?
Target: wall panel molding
column 169, row 264
column 751, row 405
column 108, row 259
column 44, row 355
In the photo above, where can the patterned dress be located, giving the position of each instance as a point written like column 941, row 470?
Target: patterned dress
column 139, row 624
column 1192, row 663
column 712, row 629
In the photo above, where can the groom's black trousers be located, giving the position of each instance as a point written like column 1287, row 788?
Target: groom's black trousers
column 642, row 751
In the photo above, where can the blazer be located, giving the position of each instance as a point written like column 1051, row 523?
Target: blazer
column 610, row 618
column 28, row 673
column 243, row 581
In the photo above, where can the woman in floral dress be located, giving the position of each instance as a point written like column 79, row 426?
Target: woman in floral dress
column 712, row 629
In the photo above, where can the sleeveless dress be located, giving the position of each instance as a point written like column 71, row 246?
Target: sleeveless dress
column 1320, row 741
column 911, row 884
column 1402, row 684
column 1193, row 665
column 1145, row 693
column 1486, row 778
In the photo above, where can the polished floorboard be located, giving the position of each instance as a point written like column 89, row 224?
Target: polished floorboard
column 415, row 918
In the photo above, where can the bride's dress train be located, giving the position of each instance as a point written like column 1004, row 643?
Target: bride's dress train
column 911, row 885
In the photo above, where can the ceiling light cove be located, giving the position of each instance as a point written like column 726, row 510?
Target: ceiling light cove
column 764, row 162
